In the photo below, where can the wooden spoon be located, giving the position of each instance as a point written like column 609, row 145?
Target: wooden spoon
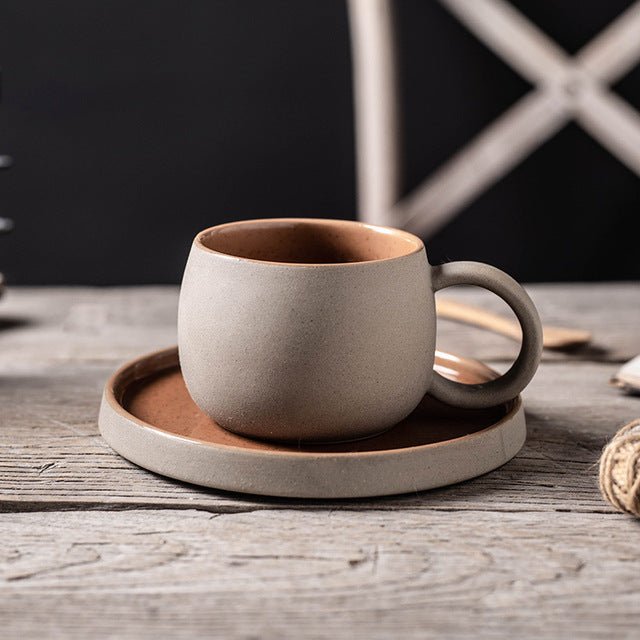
column 553, row 337
column 463, row 370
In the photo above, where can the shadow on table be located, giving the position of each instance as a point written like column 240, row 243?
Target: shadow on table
column 7, row 323
column 555, row 459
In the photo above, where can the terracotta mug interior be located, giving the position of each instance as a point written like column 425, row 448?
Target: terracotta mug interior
column 311, row 242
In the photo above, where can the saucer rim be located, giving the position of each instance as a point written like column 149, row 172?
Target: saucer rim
column 308, row 475
column 512, row 408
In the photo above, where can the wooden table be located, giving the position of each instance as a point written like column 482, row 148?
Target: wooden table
column 92, row 546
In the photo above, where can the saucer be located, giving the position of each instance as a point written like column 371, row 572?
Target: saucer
column 148, row 417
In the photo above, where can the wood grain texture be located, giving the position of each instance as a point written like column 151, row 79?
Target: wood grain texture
column 49, row 327
column 51, row 454
column 40, row 327
column 311, row 574
column 94, row 546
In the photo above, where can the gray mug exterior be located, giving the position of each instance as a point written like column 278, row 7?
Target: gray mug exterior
column 321, row 352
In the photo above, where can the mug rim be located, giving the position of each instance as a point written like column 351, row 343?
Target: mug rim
column 418, row 244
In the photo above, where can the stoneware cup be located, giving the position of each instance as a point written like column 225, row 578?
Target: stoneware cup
column 305, row 329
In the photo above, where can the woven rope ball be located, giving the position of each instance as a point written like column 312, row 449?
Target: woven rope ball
column 620, row 469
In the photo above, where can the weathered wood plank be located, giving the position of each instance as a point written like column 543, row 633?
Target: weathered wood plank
column 70, row 325
column 51, row 455
column 474, row 559
column 79, row 324
column 319, row 574
column 53, row 367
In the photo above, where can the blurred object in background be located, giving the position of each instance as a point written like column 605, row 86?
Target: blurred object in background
column 565, row 88
column 137, row 124
column 6, row 224
column 627, row 377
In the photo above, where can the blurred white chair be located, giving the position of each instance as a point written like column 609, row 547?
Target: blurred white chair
column 565, row 88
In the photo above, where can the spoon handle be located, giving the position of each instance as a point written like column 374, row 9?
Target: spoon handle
column 469, row 314
column 552, row 337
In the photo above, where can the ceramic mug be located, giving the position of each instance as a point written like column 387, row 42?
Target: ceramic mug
column 313, row 329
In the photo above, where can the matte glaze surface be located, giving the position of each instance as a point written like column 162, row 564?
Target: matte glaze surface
column 148, row 417
column 333, row 351
column 302, row 329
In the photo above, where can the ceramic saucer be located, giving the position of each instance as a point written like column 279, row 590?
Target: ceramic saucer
column 148, row 417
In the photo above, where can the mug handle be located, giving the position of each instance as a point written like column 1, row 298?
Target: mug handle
column 508, row 386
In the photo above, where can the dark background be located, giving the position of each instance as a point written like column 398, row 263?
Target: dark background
column 135, row 124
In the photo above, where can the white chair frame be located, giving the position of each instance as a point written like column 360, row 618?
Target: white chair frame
column 565, row 88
